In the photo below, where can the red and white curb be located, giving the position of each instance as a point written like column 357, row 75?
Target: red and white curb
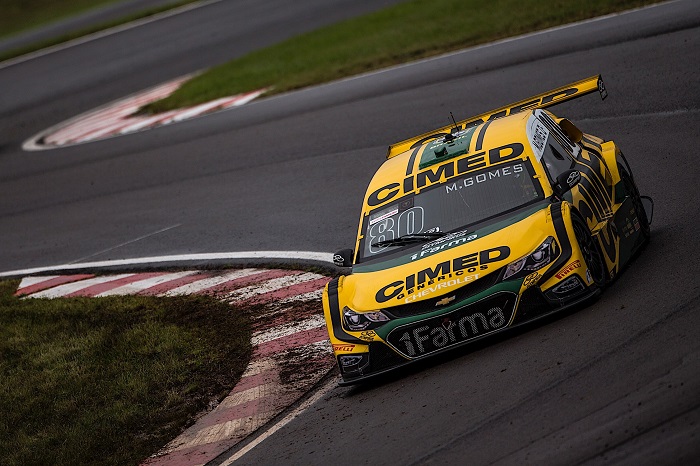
column 119, row 118
column 291, row 351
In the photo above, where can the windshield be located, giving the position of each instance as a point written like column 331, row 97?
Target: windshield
column 447, row 206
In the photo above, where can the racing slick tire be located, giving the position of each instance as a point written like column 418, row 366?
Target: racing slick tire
column 590, row 251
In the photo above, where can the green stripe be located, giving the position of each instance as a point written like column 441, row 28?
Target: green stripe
column 459, row 146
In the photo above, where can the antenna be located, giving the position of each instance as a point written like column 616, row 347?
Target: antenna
column 455, row 123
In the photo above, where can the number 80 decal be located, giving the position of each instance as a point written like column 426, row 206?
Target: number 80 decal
column 408, row 222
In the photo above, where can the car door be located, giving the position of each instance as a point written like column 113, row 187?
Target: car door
column 593, row 196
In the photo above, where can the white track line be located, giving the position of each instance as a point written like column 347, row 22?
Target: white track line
column 327, row 387
column 324, row 257
column 138, row 286
column 68, row 288
column 105, row 33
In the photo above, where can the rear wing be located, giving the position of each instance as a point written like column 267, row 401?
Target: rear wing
column 547, row 99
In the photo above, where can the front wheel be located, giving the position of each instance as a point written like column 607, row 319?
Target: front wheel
column 590, row 251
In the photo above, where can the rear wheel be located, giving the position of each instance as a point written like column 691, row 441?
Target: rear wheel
column 590, row 251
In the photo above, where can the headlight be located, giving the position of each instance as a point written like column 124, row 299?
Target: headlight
column 540, row 257
column 356, row 321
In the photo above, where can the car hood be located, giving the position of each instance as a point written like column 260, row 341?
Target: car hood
column 440, row 266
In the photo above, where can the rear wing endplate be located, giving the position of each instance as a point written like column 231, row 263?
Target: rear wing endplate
column 547, row 99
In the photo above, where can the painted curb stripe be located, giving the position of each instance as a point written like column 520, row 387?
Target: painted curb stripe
column 250, row 280
column 147, row 281
column 105, row 286
column 282, row 331
column 31, row 285
column 119, row 117
column 236, row 428
column 207, row 439
column 292, row 341
column 239, row 411
column 147, row 122
column 246, row 293
column 196, row 456
column 256, row 380
column 202, row 286
column 70, row 288
column 161, row 288
column 82, row 124
column 316, row 294
column 259, row 365
column 294, row 290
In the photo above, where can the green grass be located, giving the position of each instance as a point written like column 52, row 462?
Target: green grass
column 108, row 381
column 405, row 32
column 45, row 12
column 20, row 15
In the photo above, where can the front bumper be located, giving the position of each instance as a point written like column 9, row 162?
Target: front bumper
column 408, row 340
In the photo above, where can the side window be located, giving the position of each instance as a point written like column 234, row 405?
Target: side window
column 560, row 151
column 555, row 159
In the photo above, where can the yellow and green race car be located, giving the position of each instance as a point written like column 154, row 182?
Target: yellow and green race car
column 478, row 227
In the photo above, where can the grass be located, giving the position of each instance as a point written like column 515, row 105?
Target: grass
column 46, row 11
column 405, row 32
column 20, row 15
column 109, row 381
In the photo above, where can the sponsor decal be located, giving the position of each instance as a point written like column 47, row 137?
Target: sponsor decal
column 446, row 242
column 601, row 89
column 568, row 269
column 531, row 279
column 388, row 228
column 440, row 332
column 539, row 137
column 350, row 360
column 537, row 101
column 445, row 171
column 484, row 177
column 573, row 178
column 338, row 260
column 445, row 301
column 568, row 286
column 343, row 347
column 368, row 335
column 383, row 215
column 627, row 228
column 427, row 290
column 446, row 272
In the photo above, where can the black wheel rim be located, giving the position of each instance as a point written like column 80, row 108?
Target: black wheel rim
column 590, row 252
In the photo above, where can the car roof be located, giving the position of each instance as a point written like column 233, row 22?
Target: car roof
column 471, row 143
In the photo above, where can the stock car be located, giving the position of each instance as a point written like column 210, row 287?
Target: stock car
column 478, row 227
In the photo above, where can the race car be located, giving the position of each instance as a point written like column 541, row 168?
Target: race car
column 478, row 227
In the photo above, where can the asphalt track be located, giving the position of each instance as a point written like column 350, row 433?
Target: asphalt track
column 100, row 15
column 615, row 382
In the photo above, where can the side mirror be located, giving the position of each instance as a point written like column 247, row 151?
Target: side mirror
column 343, row 258
column 566, row 181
